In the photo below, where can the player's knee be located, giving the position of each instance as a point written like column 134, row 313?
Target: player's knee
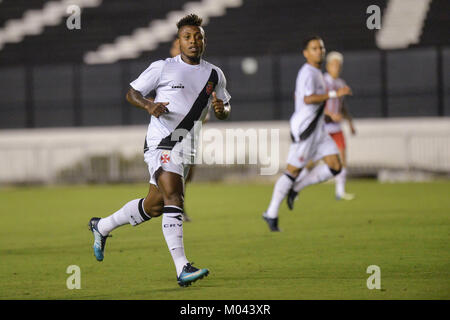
column 335, row 168
column 292, row 171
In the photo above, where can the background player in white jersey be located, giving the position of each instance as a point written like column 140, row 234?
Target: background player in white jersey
column 310, row 140
column 335, row 111
column 186, row 86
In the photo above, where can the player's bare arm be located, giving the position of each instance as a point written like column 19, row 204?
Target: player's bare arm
column 221, row 110
column 319, row 98
column 138, row 100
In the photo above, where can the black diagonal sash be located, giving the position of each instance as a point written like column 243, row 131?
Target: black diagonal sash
column 312, row 126
column 145, row 145
column 193, row 115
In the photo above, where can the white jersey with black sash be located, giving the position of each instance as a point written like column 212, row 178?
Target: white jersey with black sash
column 310, row 140
column 307, row 117
column 188, row 90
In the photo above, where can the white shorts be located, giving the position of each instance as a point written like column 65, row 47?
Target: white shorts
column 168, row 160
column 318, row 145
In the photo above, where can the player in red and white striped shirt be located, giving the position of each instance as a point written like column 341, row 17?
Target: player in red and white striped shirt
column 335, row 111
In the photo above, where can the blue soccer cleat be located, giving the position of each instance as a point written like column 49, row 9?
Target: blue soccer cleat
column 191, row 274
column 99, row 239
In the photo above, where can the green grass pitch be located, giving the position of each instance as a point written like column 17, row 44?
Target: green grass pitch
column 322, row 252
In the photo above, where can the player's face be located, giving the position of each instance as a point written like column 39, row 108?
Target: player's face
column 192, row 42
column 175, row 49
column 315, row 52
column 334, row 68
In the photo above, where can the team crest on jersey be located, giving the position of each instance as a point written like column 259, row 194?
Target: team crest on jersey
column 165, row 156
column 209, row 87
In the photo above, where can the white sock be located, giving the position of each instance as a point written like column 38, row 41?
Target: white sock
column 131, row 213
column 179, row 259
column 305, row 171
column 172, row 226
column 280, row 191
column 340, row 182
column 319, row 174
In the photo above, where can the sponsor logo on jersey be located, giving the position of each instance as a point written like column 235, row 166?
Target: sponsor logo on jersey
column 177, row 86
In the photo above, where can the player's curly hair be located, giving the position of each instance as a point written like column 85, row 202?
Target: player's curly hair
column 190, row 20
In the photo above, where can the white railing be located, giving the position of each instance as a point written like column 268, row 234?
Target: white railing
column 115, row 153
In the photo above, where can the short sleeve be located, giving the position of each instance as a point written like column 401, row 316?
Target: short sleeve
column 307, row 84
column 221, row 88
column 149, row 79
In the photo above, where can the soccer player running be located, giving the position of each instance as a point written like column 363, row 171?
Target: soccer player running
column 186, row 86
column 335, row 111
column 175, row 51
column 310, row 141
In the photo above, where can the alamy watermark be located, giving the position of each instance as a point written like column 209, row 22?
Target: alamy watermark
column 74, row 280
column 374, row 280
column 231, row 146
column 73, row 21
column 374, row 20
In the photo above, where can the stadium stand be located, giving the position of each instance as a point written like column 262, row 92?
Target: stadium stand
column 267, row 31
column 279, row 33
column 436, row 31
column 14, row 9
column 99, row 25
column 283, row 32
column 250, row 24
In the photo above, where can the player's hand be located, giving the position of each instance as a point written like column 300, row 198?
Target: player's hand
column 156, row 109
column 217, row 104
column 344, row 91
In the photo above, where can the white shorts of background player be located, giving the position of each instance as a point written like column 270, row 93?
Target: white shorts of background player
column 318, row 145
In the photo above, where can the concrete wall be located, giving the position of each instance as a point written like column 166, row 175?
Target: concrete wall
column 400, row 143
